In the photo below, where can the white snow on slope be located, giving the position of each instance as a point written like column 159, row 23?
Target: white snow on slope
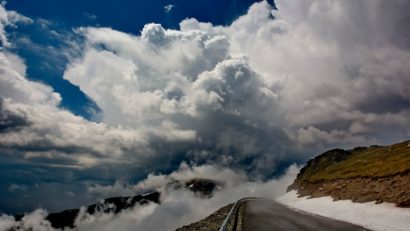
column 377, row 217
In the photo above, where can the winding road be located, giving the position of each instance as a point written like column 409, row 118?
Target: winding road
column 268, row 215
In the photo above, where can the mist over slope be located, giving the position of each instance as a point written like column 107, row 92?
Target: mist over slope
column 178, row 206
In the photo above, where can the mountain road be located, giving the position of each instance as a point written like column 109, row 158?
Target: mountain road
column 268, row 215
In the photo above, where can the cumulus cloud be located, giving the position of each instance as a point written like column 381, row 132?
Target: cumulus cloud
column 32, row 122
column 304, row 75
column 341, row 66
column 181, row 86
column 33, row 221
column 273, row 87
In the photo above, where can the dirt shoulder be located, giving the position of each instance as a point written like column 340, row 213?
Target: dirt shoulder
column 210, row 223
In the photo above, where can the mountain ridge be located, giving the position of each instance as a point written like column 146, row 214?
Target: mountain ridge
column 363, row 174
column 66, row 219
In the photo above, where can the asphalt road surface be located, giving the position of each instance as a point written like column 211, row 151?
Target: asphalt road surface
column 264, row 215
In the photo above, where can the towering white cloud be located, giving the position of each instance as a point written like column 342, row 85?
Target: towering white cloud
column 311, row 74
column 341, row 67
column 182, row 86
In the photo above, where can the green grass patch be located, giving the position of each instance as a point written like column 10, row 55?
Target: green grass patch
column 363, row 162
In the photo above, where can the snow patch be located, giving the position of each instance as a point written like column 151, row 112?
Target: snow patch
column 378, row 217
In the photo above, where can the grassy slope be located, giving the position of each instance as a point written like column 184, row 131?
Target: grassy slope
column 364, row 162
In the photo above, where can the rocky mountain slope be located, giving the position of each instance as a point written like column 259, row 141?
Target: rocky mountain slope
column 114, row 205
column 211, row 223
column 376, row 173
column 60, row 220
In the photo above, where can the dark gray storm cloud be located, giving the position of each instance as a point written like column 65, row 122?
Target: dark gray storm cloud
column 9, row 121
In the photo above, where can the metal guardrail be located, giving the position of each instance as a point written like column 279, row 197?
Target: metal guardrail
column 228, row 217
column 233, row 211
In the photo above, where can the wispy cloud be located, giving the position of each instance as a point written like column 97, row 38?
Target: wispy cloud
column 90, row 16
column 17, row 187
column 178, row 207
column 168, row 8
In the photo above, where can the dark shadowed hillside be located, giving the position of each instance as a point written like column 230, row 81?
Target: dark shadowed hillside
column 114, row 205
column 66, row 218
